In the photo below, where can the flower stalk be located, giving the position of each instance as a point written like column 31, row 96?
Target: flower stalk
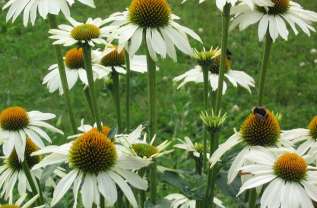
column 206, row 108
column 264, row 66
column 88, row 67
column 128, row 75
column 153, row 184
column 88, row 98
column 32, row 182
column 61, row 68
column 116, row 96
column 252, row 198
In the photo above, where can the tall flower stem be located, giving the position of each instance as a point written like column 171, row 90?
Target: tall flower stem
column 252, row 198
column 61, row 68
column 151, row 70
column 116, row 96
column 264, row 66
column 88, row 98
column 128, row 75
column 88, row 67
column 214, row 140
column 206, row 108
column 31, row 181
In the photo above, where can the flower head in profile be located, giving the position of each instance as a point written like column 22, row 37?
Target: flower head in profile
column 97, row 168
column 141, row 147
column 273, row 20
column 30, row 8
column 182, row 201
column 211, row 60
column 22, row 203
column 92, row 32
column 289, row 180
column 74, row 69
column 17, row 125
column 12, row 174
column 196, row 149
column 153, row 21
column 113, row 57
column 260, row 130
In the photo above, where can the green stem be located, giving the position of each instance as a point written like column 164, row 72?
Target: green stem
column 127, row 63
column 142, row 193
column 151, row 68
column 153, row 181
column 88, row 67
column 252, row 198
column 116, row 96
column 206, row 108
column 31, row 181
column 264, row 66
column 224, row 46
column 102, row 202
column 88, row 98
column 61, row 68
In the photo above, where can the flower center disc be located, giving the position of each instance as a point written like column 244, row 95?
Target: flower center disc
column 74, row 58
column 92, row 152
column 114, row 58
column 85, row 32
column 313, row 128
column 13, row 161
column 260, row 128
column 144, row 150
column 290, row 167
column 14, row 118
column 150, row 13
column 280, row 7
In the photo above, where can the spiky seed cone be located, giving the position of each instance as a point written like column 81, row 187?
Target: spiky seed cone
column 14, row 118
column 280, row 7
column 313, row 128
column 144, row 150
column 92, row 152
column 260, row 128
column 85, row 32
column 74, row 58
column 13, row 161
column 114, row 58
column 291, row 167
column 150, row 13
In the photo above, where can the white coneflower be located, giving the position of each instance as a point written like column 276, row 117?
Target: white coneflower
column 92, row 31
column 259, row 131
column 152, row 21
column 274, row 19
column 288, row 180
column 43, row 7
column 97, row 167
column 22, row 203
column 16, row 125
column 140, row 147
column 181, row 201
column 74, row 69
column 235, row 77
column 113, row 57
column 187, row 145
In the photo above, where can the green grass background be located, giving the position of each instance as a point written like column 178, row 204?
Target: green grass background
column 26, row 53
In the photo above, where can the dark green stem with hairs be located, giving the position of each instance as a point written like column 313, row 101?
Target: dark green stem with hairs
column 127, row 63
column 206, row 108
column 32, row 182
column 153, row 180
column 264, row 66
column 88, row 98
column 116, row 96
column 62, row 73
column 252, row 198
column 88, row 67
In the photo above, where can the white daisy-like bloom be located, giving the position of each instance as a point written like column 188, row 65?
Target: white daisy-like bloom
column 187, row 145
column 29, row 8
column 92, row 32
column 235, row 77
column 113, row 58
column 181, row 201
column 139, row 146
column 22, row 203
column 152, row 21
column 75, row 71
column 289, row 180
column 16, row 125
column 259, row 131
column 273, row 20
column 97, row 167
column 251, row 3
